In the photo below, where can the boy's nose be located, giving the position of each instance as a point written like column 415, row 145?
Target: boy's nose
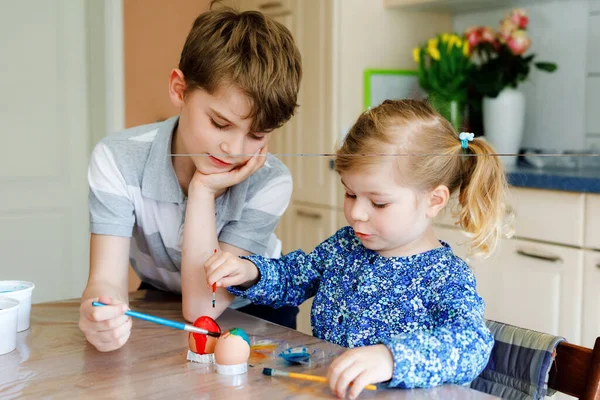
column 232, row 148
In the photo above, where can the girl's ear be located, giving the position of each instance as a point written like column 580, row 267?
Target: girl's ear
column 177, row 87
column 438, row 198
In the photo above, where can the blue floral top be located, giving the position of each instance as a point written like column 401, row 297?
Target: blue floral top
column 424, row 308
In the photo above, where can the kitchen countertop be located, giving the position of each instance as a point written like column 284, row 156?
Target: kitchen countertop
column 567, row 179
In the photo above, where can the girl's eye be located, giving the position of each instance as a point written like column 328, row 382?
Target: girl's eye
column 256, row 137
column 350, row 196
column 212, row 121
column 379, row 205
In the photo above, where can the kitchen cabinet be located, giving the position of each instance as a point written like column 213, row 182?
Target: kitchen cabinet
column 547, row 277
column 592, row 221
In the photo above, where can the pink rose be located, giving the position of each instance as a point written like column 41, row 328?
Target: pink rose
column 480, row 34
column 473, row 35
column 519, row 42
column 507, row 27
column 519, row 17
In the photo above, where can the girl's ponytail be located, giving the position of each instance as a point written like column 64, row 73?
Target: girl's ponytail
column 481, row 195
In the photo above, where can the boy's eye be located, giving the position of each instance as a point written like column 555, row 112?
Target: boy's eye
column 256, row 137
column 351, row 196
column 212, row 121
column 378, row 205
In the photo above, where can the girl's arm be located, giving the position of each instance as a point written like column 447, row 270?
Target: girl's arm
column 291, row 279
column 456, row 350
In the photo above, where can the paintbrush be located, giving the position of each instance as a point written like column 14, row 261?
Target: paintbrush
column 165, row 322
column 304, row 377
column 214, row 289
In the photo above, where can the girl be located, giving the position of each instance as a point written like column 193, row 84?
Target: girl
column 385, row 286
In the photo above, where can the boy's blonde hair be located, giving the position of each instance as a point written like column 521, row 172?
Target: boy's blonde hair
column 250, row 51
column 429, row 154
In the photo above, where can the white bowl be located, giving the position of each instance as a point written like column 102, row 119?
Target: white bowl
column 19, row 290
column 9, row 313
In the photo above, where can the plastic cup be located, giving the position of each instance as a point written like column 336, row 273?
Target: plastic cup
column 9, row 315
column 19, row 290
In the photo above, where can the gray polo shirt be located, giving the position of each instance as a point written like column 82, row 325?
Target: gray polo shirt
column 134, row 193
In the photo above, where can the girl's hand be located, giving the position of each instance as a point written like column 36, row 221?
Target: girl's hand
column 227, row 270
column 107, row 328
column 360, row 367
column 215, row 182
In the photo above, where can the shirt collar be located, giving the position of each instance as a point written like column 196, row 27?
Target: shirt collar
column 159, row 181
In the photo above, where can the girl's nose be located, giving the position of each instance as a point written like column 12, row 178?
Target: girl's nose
column 359, row 213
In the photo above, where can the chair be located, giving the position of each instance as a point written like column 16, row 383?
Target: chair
column 526, row 364
column 576, row 371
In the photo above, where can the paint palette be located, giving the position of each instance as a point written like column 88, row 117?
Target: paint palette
column 296, row 355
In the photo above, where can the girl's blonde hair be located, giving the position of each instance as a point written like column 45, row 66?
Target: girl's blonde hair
column 429, row 154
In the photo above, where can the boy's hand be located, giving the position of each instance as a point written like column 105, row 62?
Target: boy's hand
column 107, row 328
column 215, row 182
column 360, row 366
column 227, row 270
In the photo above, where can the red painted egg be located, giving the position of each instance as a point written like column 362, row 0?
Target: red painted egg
column 204, row 344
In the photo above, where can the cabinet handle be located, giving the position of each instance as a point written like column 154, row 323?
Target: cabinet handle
column 307, row 214
column 545, row 257
column 269, row 5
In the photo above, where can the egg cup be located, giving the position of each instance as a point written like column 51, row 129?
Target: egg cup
column 236, row 369
column 201, row 358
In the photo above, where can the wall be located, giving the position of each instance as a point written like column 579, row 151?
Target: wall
column 154, row 33
column 366, row 33
column 593, row 78
column 556, row 103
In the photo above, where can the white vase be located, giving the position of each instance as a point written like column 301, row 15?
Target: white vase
column 504, row 122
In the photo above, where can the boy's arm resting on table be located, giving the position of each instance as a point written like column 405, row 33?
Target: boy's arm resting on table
column 109, row 263
column 248, row 234
column 199, row 243
column 457, row 348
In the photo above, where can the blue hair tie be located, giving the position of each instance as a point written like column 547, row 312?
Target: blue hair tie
column 465, row 138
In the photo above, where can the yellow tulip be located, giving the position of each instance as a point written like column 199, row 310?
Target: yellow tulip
column 417, row 54
column 432, row 43
column 446, row 37
column 434, row 53
column 466, row 48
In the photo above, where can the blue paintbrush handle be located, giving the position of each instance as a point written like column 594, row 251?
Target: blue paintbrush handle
column 163, row 321
column 156, row 320
column 150, row 318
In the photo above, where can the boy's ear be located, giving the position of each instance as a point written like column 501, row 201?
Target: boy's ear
column 438, row 198
column 177, row 87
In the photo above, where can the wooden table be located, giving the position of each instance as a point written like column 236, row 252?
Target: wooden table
column 54, row 360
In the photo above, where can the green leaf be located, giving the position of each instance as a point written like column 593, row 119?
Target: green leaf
column 546, row 66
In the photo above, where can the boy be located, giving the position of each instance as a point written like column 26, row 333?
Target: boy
column 237, row 80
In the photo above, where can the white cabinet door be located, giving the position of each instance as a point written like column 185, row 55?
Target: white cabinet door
column 591, row 298
column 45, row 145
column 314, row 180
column 535, row 286
column 528, row 284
